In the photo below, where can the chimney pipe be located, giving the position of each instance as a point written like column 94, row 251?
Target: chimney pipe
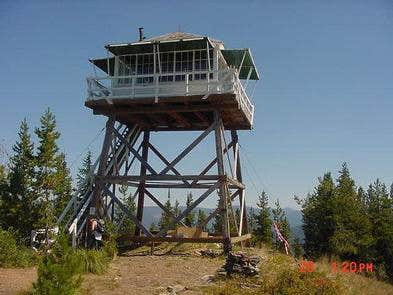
column 141, row 37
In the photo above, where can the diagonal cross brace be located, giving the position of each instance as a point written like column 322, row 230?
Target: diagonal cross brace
column 166, row 162
column 189, row 209
column 155, row 200
column 128, row 212
column 135, row 153
column 212, row 163
column 189, row 148
column 216, row 211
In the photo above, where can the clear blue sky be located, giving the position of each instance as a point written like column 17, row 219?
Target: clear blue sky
column 326, row 94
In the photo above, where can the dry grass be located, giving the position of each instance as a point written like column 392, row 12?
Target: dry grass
column 280, row 275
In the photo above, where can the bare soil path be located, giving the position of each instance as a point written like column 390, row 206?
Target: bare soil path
column 152, row 275
column 16, row 280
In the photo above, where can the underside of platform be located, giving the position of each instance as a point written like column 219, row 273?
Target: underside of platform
column 175, row 113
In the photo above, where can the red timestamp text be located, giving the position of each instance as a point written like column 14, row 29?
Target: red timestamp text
column 337, row 267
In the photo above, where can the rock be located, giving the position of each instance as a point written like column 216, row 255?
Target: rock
column 240, row 263
column 207, row 278
column 175, row 289
column 210, row 253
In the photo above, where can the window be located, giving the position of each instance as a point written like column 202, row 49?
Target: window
column 201, row 64
column 166, row 59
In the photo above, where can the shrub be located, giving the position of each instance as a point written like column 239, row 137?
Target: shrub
column 59, row 270
column 93, row 261
column 292, row 281
column 13, row 254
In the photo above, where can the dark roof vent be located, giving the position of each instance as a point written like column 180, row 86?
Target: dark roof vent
column 141, row 37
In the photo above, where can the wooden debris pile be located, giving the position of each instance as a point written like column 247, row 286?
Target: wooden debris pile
column 240, row 263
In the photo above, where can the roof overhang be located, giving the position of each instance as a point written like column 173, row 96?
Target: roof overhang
column 169, row 45
column 102, row 63
column 242, row 60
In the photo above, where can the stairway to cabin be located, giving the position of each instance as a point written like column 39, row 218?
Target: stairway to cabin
column 74, row 216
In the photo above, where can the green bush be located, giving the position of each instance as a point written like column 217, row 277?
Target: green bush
column 12, row 254
column 59, row 270
column 93, row 261
column 291, row 281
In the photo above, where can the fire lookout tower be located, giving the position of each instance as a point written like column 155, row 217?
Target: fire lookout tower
column 174, row 82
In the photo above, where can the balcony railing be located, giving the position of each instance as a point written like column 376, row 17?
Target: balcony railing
column 181, row 84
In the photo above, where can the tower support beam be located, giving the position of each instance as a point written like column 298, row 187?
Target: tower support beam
column 125, row 161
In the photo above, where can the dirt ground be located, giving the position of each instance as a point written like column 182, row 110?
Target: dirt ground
column 16, row 280
column 140, row 274
column 152, row 275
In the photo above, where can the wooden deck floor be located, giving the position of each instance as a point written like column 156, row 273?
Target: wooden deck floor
column 174, row 113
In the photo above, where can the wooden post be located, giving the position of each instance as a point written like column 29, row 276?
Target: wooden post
column 243, row 224
column 142, row 183
column 223, row 192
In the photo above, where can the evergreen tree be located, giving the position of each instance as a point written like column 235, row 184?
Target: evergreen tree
column 263, row 228
column 128, row 225
column 18, row 208
column 82, row 178
column 53, row 183
column 297, row 248
column 318, row 224
column 280, row 218
column 153, row 227
column 251, row 220
column 190, row 218
column 380, row 211
column 166, row 218
column 3, row 174
column 3, row 196
column 63, row 187
column 217, row 225
column 201, row 217
column 176, row 209
column 352, row 229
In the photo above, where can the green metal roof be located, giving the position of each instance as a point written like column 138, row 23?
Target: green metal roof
column 234, row 57
column 146, row 46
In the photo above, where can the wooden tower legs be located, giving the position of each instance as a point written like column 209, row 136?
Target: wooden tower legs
column 127, row 147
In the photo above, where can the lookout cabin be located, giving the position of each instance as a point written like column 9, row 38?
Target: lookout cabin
column 173, row 82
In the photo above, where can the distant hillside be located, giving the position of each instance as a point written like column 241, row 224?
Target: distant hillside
column 153, row 213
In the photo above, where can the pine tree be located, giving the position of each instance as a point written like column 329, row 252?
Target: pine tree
column 217, row 225
column 63, row 188
column 18, row 207
column 263, row 228
column 53, row 183
column 352, row 235
column 4, row 195
column 83, row 178
column 380, row 211
column 251, row 220
column 297, row 248
column 153, row 227
column 318, row 224
column 190, row 218
column 201, row 218
column 280, row 218
column 176, row 209
column 128, row 225
column 166, row 218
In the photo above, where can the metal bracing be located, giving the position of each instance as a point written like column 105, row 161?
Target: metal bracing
column 125, row 151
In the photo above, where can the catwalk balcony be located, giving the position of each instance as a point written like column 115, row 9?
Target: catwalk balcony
column 174, row 84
